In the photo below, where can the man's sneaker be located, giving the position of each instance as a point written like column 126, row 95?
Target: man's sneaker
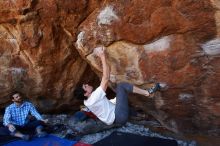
column 41, row 134
column 155, row 88
column 26, row 137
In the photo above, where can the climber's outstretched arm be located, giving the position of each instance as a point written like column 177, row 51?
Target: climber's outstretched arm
column 105, row 69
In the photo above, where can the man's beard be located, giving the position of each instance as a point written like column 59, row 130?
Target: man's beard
column 19, row 101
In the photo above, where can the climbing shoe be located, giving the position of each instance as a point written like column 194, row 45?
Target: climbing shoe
column 155, row 88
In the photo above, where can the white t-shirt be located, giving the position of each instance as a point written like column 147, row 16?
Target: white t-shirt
column 101, row 106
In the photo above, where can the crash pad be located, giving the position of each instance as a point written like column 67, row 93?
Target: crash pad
column 128, row 139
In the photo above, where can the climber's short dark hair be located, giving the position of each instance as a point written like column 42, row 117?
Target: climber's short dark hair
column 79, row 93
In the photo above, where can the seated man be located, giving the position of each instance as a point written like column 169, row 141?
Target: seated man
column 16, row 118
column 98, row 103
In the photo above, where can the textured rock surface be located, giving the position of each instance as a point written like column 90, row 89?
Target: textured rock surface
column 171, row 41
column 37, row 51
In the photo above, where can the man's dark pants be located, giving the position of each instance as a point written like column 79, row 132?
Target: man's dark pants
column 122, row 108
column 29, row 128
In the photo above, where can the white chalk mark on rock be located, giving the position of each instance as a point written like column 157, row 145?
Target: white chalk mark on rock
column 107, row 16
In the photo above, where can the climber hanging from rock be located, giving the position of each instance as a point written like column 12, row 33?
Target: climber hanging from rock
column 106, row 110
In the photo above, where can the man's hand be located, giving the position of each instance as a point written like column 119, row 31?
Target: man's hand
column 100, row 52
column 45, row 121
column 84, row 108
column 11, row 127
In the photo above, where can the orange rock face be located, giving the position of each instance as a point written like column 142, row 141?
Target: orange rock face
column 37, row 51
column 170, row 41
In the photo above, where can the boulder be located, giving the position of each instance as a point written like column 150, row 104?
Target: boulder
column 169, row 41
